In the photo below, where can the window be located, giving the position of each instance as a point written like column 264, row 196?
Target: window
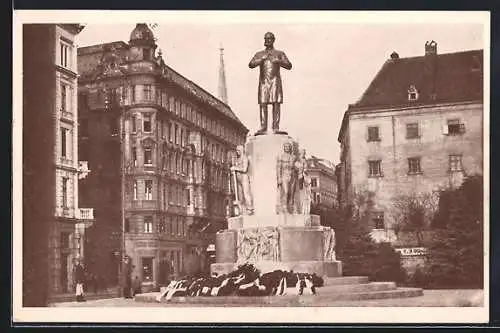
column 378, row 220
column 63, row 97
column 135, row 190
column 375, row 169
column 180, row 225
column 168, row 227
column 113, row 126
column 134, row 156
column 174, row 226
column 149, row 189
column 147, row 92
column 188, row 197
column 454, row 127
column 134, row 124
column 132, row 92
column 412, row 93
column 183, row 110
column 148, row 160
column 317, row 198
column 65, row 191
column 83, row 101
column 412, row 131
column 455, row 162
column 127, row 224
column 146, row 54
column 64, row 241
column 65, row 55
column 373, row 133
column 314, row 182
column 414, row 165
column 182, row 137
column 148, row 224
column 84, row 128
column 176, row 134
column 147, row 269
column 147, row 123
column 64, row 133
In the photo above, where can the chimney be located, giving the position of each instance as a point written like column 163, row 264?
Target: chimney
column 394, row 55
column 430, row 48
column 431, row 67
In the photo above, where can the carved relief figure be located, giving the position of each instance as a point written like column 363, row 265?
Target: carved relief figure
column 286, row 175
column 258, row 244
column 239, row 169
column 303, row 187
column 270, row 87
column 329, row 245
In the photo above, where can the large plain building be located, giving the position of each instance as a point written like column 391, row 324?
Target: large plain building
column 417, row 128
column 158, row 145
column 53, row 222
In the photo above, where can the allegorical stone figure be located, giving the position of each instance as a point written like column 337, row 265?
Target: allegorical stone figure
column 243, row 190
column 303, row 187
column 286, row 178
column 270, row 87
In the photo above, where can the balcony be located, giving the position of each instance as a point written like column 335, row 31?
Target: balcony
column 83, row 169
column 85, row 213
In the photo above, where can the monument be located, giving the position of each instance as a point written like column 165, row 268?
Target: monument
column 271, row 225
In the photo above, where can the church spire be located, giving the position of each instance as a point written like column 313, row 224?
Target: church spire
column 222, row 77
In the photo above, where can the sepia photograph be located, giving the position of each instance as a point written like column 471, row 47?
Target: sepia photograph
column 291, row 167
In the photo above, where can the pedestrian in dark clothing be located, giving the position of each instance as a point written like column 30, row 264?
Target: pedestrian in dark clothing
column 126, row 279
column 79, row 279
column 136, row 286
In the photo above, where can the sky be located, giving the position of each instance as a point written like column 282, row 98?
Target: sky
column 333, row 63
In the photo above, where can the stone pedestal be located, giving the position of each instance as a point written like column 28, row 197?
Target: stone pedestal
column 271, row 239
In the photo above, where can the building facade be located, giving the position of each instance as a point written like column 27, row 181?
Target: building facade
column 323, row 182
column 159, row 145
column 418, row 128
column 50, row 107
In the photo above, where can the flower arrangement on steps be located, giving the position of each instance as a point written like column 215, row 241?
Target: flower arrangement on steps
column 244, row 281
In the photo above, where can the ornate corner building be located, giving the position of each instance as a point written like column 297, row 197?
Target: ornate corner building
column 158, row 145
column 52, row 169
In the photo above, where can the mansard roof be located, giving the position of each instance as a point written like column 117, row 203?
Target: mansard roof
column 438, row 78
column 92, row 65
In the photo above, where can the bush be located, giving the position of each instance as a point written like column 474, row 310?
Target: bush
column 361, row 255
column 455, row 257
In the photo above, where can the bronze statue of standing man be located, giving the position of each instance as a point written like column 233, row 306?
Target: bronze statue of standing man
column 270, row 87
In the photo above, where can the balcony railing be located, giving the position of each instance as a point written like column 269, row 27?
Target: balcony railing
column 85, row 213
column 83, row 169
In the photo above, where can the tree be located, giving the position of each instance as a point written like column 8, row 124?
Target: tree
column 456, row 251
column 413, row 214
column 360, row 254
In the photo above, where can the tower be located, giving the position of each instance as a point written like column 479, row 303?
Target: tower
column 222, row 78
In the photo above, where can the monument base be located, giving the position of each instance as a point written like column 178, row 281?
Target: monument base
column 299, row 248
column 320, row 268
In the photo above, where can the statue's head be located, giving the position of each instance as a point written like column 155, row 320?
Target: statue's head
column 240, row 150
column 269, row 39
column 287, row 147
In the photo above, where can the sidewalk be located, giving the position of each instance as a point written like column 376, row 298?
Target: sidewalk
column 431, row 298
column 70, row 297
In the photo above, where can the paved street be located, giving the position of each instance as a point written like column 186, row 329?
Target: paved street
column 431, row 298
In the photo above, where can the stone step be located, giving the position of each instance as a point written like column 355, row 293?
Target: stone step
column 354, row 288
column 333, row 281
column 287, row 300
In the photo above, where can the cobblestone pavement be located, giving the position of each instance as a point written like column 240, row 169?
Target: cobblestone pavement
column 431, row 298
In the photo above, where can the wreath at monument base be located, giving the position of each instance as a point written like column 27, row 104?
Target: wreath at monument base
column 244, row 281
